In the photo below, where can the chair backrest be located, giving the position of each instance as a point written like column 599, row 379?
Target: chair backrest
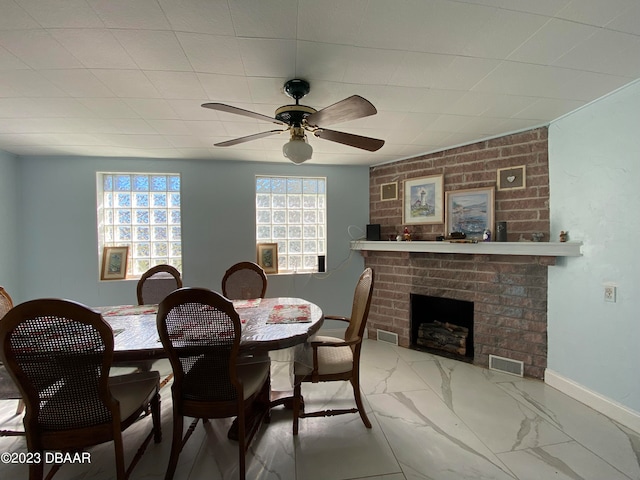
column 156, row 283
column 360, row 309
column 59, row 354
column 200, row 331
column 244, row 280
column 6, row 303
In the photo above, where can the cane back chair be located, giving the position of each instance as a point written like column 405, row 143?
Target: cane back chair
column 337, row 359
column 200, row 330
column 243, row 281
column 8, row 389
column 156, row 283
column 59, row 353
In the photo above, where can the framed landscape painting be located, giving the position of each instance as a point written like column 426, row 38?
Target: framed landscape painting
column 114, row 263
column 423, row 201
column 470, row 211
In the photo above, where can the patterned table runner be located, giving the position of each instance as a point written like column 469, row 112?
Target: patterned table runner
column 290, row 314
column 121, row 310
column 251, row 303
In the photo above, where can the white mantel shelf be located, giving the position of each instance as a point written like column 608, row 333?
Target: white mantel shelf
column 542, row 249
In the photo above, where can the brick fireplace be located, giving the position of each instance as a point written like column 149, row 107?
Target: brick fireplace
column 509, row 295
column 509, row 292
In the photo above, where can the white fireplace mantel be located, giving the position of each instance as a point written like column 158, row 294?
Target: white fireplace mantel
column 543, row 249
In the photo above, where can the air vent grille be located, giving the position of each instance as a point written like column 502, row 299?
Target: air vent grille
column 506, row 365
column 389, row 337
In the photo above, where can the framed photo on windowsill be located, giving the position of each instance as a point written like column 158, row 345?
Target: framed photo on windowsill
column 114, row 263
column 268, row 257
column 470, row 211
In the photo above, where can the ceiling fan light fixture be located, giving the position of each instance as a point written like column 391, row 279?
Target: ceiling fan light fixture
column 297, row 149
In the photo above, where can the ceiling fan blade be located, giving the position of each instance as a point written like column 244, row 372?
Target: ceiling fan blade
column 348, row 109
column 240, row 111
column 248, row 138
column 358, row 141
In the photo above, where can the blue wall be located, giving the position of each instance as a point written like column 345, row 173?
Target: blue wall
column 59, row 255
column 594, row 174
column 9, row 222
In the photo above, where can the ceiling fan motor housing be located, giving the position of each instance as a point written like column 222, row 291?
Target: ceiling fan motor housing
column 294, row 114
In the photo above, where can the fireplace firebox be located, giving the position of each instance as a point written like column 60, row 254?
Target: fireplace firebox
column 442, row 326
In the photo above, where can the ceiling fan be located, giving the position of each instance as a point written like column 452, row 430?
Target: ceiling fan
column 300, row 119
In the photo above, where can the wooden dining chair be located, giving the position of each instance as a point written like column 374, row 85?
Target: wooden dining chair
column 243, row 281
column 59, row 353
column 6, row 303
column 8, row 389
column 200, row 330
column 156, row 283
column 337, row 359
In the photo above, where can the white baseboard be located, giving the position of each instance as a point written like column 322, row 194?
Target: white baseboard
column 612, row 409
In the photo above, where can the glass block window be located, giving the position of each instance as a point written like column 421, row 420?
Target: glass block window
column 141, row 210
column 291, row 211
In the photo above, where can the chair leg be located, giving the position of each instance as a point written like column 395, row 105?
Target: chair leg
column 155, row 417
column 242, row 446
column 20, row 407
column 357, row 395
column 176, row 445
column 36, row 470
column 119, row 452
column 297, row 394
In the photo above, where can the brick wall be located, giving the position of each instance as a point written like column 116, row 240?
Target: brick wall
column 474, row 166
column 509, row 292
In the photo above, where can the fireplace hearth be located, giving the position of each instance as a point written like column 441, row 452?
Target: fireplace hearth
column 442, row 326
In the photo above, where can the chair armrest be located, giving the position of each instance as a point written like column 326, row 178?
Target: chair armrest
column 336, row 317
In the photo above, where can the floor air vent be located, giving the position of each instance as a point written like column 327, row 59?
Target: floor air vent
column 389, row 337
column 506, row 365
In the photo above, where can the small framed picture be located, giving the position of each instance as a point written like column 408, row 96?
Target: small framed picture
column 423, row 201
column 389, row 191
column 512, row 178
column 268, row 257
column 470, row 211
column 114, row 263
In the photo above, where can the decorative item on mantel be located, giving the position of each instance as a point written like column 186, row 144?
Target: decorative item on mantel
column 486, row 236
column 406, row 235
column 564, row 236
column 501, row 235
column 537, row 236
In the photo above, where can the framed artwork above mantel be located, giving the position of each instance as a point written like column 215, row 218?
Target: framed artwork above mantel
column 422, row 200
column 389, row 191
column 470, row 211
column 512, row 178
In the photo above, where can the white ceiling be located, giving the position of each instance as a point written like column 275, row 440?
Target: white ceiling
column 126, row 78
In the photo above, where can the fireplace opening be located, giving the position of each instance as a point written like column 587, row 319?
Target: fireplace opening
column 442, row 326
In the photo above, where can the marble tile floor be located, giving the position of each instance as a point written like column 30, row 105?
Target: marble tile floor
column 433, row 419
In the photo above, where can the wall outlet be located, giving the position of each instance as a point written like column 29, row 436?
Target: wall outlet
column 610, row 293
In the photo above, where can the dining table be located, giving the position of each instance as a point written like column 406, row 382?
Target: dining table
column 268, row 324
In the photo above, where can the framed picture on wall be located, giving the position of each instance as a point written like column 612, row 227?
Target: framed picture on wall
column 470, row 211
column 114, row 263
column 512, row 178
column 268, row 257
column 422, row 202
column 389, row 191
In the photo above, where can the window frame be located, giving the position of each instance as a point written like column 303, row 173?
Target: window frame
column 306, row 259
column 172, row 219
